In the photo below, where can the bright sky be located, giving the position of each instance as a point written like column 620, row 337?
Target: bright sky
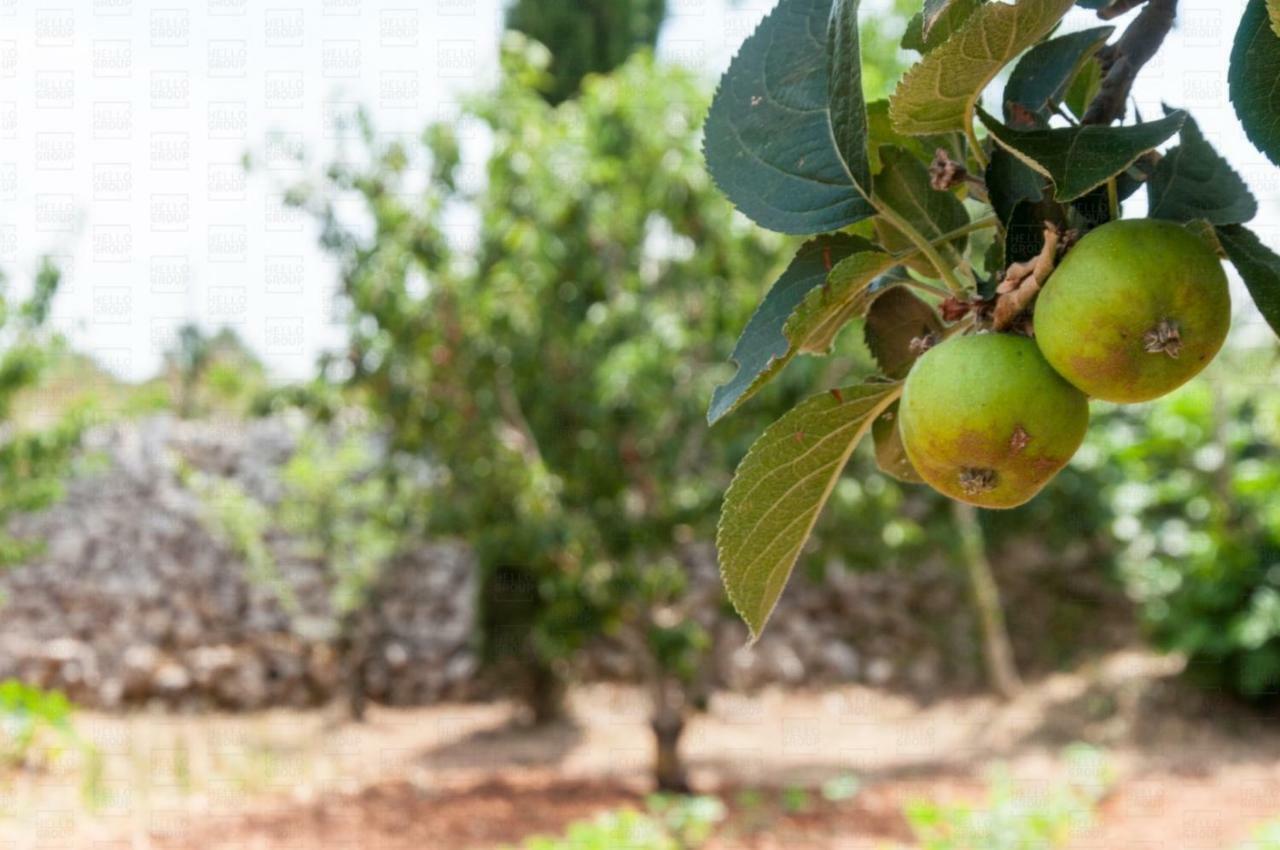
column 122, row 125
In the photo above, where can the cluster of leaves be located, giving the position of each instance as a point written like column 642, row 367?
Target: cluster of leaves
column 1193, row 494
column 672, row 823
column 913, row 207
column 1011, row 819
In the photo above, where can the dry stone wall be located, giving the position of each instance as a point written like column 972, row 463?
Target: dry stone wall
column 134, row 600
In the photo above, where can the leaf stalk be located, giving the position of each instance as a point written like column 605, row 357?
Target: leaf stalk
column 923, row 245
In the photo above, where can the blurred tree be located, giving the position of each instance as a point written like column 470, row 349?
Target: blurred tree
column 188, row 359
column 32, row 462
column 212, row 372
column 586, row 36
column 335, row 510
column 338, row 506
column 556, row 372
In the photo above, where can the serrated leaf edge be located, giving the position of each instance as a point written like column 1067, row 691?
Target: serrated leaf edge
column 1238, row 53
column 1041, row 170
column 975, row 21
column 795, row 348
column 1173, row 157
column 892, row 392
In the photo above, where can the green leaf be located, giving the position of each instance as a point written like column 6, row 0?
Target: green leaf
column 891, row 457
column 848, row 106
column 1024, row 233
column 942, row 90
column 993, row 265
column 933, row 12
column 1093, row 208
column 780, row 488
column 880, row 133
column 1043, row 75
column 1273, row 10
column 763, row 349
column 813, row 327
column 1258, row 266
column 894, row 319
column 1255, row 68
column 1083, row 89
column 944, row 25
column 1079, row 158
column 1010, row 181
column 903, row 186
column 768, row 139
column 1193, row 182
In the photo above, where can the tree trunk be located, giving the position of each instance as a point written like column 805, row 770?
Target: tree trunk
column 544, row 694
column 186, row 396
column 997, row 649
column 668, row 726
column 357, row 696
column 353, row 654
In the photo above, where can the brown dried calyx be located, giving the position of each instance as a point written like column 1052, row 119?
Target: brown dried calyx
column 1022, row 281
column 946, row 173
column 974, row 480
column 1164, row 338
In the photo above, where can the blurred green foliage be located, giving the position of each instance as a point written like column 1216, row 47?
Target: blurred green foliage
column 212, row 373
column 243, row 523
column 595, row 36
column 672, row 823
column 28, row 715
column 335, row 510
column 32, row 460
column 1193, row 483
column 1266, row 838
column 1017, row 818
column 36, row 728
column 338, row 507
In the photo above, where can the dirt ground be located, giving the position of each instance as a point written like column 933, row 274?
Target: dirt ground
column 1193, row 772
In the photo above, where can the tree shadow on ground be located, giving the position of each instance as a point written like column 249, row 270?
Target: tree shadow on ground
column 510, row 744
